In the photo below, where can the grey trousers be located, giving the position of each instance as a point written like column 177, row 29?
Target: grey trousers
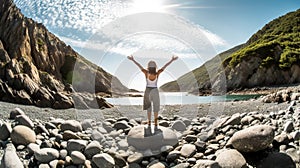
column 151, row 98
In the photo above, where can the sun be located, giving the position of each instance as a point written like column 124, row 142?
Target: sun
column 140, row 6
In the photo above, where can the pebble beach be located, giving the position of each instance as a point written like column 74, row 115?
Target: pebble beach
column 225, row 134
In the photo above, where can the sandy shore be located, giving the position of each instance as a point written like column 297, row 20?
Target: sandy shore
column 130, row 111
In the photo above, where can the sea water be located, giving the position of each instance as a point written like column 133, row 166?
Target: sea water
column 175, row 98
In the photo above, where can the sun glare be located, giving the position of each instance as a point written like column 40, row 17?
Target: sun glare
column 139, row 6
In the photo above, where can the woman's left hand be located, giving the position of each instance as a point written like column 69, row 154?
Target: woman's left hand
column 174, row 57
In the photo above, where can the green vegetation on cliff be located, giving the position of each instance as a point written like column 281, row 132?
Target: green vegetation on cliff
column 277, row 43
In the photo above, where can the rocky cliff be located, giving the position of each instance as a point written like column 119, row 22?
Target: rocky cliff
column 36, row 68
column 270, row 57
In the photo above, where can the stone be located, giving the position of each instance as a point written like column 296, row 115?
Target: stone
column 63, row 154
column 277, row 160
column 164, row 123
column 33, row 148
column 57, row 121
column 76, row 145
column 247, row 120
column 282, row 138
column 191, row 138
column 188, row 150
column 86, row 124
column 104, row 160
column 49, row 125
column 173, row 155
column 71, row 125
column 135, row 158
column 134, row 165
column 200, row 145
column 15, row 112
column 46, row 155
column 92, row 149
column 144, row 137
column 206, row 163
column 288, row 127
column 121, row 125
column 122, row 144
column 296, row 135
column 24, row 120
column 40, row 129
column 5, row 130
column 156, row 164
column 231, row 159
column 22, row 135
column 294, row 154
column 78, row 158
column 97, row 136
column 43, row 165
column 10, row 158
column 54, row 164
column 182, row 165
column 102, row 130
column 120, row 161
column 253, row 139
column 235, row 119
column 178, row 125
column 69, row 135
column 87, row 164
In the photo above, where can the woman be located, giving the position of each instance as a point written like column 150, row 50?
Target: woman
column 151, row 95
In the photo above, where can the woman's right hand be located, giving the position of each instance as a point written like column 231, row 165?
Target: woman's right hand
column 130, row 57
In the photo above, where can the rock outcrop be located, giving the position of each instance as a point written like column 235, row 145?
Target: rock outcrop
column 36, row 68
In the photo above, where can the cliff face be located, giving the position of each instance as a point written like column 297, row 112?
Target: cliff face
column 270, row 57
column 37, row 68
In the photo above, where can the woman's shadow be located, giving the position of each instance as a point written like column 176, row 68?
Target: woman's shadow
column 151, row 131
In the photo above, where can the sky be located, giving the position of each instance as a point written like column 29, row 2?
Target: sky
column 107, row 31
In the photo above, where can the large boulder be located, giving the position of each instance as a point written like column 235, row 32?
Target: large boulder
column 231, row 159
column 22, row 135
column 253, row 139
column 144, row 137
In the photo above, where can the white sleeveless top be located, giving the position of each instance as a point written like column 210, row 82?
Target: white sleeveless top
column 150, row 83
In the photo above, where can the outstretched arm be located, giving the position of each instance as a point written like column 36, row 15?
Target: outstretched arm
column 168, row 63
column 133, row 60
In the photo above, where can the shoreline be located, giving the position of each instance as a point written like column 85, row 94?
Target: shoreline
column 264, row 90
column 190, row 111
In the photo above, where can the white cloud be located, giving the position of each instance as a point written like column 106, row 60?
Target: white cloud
column 113, row 30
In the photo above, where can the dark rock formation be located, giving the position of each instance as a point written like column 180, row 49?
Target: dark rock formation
column 36, row 68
